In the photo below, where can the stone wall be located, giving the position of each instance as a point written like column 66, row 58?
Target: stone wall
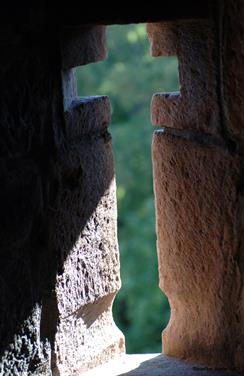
column 58, row 242
column 59, row 250
column 198, row 181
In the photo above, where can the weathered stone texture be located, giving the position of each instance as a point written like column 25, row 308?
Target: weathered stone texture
column 82, row 45
column 30, row 104
column 195, row 183
column 231, row 45
column 232, row 60
column 87, row 115
column 58, row 218
column 58, row 241
column 91, row 270
column 196, row 105
column 85, row 234
column 88, row 338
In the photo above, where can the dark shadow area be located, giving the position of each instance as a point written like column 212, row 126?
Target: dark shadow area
column 51, row 183
column 119, row 13
column 31, row 15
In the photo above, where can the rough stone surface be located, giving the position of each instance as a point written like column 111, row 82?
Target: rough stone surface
column 58, row 240
column 91, row 270
column 87, row 115
column 85, row 288
column 30, row 132
column 58, row 247
column 196, row 183
column 88, row 338
column 230, row 21
column 232, row 60
column 196, row 105
column 82, row 45
column 85, row 236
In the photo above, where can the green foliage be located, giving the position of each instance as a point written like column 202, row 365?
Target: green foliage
column 130, row 76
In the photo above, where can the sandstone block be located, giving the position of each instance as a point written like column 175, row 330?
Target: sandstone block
column 198, row 215
column 196, row 105
column 88, row 337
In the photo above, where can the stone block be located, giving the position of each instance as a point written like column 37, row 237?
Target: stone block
column 163, row 38
column 233, row 66
column 82, row 45
column 84, row 236
column 87, row 115
column 90, row 261
column 196, row 104
column 88, row 337
column 196, row 183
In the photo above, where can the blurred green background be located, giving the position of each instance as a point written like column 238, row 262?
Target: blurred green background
column 129, row 77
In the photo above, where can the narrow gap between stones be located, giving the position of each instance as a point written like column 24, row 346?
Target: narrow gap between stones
column 130, row 76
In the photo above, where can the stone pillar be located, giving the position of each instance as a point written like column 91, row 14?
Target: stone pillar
column 59, row 247
column 87, row 335
column 198, row 183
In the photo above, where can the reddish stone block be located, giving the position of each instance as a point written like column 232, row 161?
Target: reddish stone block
column 196, row 105
column 196, row 183
column 163, row 38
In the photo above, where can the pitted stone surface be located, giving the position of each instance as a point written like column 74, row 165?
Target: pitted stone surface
column 197, row 221
column 88, row 338
column 58, row 217
column 85, row 236
column 87, row 115
column 54, row 316
column 196, row 105
column 232, row 51
column 91, row 268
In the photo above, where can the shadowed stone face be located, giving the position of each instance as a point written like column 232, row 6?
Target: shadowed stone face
column 58, row 218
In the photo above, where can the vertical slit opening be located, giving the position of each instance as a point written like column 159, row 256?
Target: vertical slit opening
column 130, row 76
